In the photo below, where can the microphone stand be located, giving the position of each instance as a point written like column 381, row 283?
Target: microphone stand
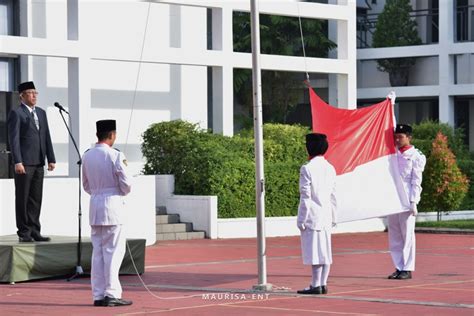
column 79, row 270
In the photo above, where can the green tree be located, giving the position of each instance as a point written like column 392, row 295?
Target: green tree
column 444, row 185
column 395, row 27
column 279, row 35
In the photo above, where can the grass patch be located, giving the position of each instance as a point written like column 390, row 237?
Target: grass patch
column 461, row 223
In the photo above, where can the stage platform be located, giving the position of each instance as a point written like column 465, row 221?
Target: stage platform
column 38, row 260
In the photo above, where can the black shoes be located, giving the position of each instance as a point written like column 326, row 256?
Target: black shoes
column 41, row 238
column 99, row 303
column 324, row 289
column 314, row 290
column 394, row 275
column 400, row 275
column 33, row 238
column 25, row 239
column 111, row 301
column 404, row 275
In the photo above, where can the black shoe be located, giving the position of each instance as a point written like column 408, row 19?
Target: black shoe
column 404, row 275
column 99, row 303
column 394, row 275
column 41, row 238
column 324, row 289
column 25, row 239
column 111, row 301
column 311, row 290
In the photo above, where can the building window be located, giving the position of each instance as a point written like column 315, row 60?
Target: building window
column 8, row 26
column 464, row 21
column 7, row 74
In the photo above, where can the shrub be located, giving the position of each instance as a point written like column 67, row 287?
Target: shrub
column 425, row 133
column 209, row 164
column 467, row 167
column 444, row 185
column 282, row 142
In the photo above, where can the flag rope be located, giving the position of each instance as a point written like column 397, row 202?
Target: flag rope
column 302, row 42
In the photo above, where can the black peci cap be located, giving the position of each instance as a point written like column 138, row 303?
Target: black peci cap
column 104, row 126
column 403, row 129
column 316, row 144
column 26, row 86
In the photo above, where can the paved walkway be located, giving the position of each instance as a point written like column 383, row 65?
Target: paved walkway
column 215, row 277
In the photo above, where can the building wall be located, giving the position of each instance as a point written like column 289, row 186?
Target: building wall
column 93, row 58
column 424, row 72
column 443, row 71
column 163, row 92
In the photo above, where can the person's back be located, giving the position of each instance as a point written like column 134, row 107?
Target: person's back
column 106, row 181
column 323, row 177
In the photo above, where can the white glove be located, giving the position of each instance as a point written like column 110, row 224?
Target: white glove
column 301, row 226
column 392, row 96
column 413, row 209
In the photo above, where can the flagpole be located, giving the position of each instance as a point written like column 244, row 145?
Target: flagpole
column 258, row 135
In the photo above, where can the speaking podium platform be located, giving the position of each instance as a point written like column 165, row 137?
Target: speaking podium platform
column 58, row 257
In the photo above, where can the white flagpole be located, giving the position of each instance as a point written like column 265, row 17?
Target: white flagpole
column 258, row 135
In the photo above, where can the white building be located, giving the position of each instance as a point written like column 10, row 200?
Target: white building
column 142, row 62
column 441, row 84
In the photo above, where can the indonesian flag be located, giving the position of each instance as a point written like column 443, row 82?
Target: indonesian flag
column 362, row 150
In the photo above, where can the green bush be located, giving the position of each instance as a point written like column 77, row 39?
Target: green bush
column 467, row 167
column 282, row 142
column 445, row 185
column 209, row 164
column 423, row 136
column 425, row 133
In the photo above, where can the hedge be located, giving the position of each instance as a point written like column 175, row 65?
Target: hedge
column 209, row 164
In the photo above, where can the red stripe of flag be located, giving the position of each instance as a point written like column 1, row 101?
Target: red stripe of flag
column 355, row 136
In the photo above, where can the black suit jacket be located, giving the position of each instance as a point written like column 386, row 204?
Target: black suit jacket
column 29, row 145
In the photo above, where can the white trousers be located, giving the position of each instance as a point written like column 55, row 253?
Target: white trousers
column 108, row 244
column 401, row 237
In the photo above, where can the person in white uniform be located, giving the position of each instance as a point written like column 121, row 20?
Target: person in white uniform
column 105, row 179
column 401, row 226
column 317, row 212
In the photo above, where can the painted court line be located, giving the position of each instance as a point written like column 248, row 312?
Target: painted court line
column 238, row 305
column 292, row 310
column 402, row 287
column 355, row 252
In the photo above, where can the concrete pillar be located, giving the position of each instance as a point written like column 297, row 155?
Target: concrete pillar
column 332, row 78
column 73, row 20
column 446, row 62
column 79, row 94
column 222, row 77
column 346, row 49
column 26, row 64
column 79, row 103
column 471, row 125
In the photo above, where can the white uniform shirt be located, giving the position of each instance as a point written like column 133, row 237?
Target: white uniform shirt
column 105, row 179
column 317, row 208
column 411, row 164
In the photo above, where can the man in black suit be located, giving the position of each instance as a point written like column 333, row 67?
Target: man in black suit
column 30, row 142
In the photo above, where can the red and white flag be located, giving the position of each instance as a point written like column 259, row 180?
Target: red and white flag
column 362, row 150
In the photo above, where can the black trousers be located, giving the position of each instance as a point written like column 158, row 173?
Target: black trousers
column 28, row 197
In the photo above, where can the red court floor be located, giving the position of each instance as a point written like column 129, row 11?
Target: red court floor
column 214, row 277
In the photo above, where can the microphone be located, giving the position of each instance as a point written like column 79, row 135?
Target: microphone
column 60, row 107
